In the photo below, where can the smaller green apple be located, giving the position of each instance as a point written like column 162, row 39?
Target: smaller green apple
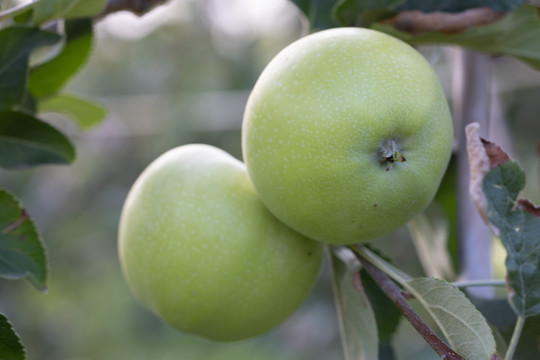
column 199, row 248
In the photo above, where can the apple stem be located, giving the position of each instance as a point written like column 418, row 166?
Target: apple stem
column 391, row 153
column 394, row 292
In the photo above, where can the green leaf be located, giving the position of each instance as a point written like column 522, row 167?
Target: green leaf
column 17, row 44
column 429, row 232
column 48, row 78
column 447, row 197
column 26, row 141
column 388, row 315
column 85, row 113
column 318, row 12
column 520, row 234
column 22, row 253
column 500, row 342
column 47, row 10
column 23, row 17
column 356, row 317
column 28, row 105
column 517, row 35
column 14, row 10
column 458, row 6
column 529, row 341
column 463, row 325
column 363, row 13
column 85, row 8
column 386, row 352
column 10, row 343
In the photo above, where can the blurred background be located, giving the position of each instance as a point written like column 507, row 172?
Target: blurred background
column 182, row 74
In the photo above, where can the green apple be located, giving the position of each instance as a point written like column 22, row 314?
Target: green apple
column 346, row 135
column 199, row 248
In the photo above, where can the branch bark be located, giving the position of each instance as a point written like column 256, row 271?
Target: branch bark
column 417, row 22
column 138, row 7
column 396, row 295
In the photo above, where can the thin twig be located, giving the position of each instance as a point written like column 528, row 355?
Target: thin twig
column 395, row 294
column 138, row 7
column 417, row 22
column 515, row 338
column 479, row 283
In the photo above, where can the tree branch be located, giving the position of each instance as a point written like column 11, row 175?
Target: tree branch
column 138, row 7
column 416, row 22
column 396, row 295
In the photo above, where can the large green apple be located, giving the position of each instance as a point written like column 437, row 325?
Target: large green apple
column 346, row 135
column 199, row 248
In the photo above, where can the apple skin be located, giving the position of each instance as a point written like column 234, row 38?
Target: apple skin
column 315, row 128
column 198, row 248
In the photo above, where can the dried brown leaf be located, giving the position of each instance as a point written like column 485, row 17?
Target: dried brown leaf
column 478, row 167
column 528, row 206
column 495, row 153
column 484, row 156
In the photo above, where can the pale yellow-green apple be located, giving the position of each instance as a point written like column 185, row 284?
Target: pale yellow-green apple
column 347, row 134
column 198, row 248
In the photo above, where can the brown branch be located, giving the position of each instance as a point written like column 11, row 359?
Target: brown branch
column 138, row 7
column 396, row 295
column 416, row 22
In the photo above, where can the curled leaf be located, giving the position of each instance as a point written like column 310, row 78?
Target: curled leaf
column 356, row 317
column 483, row 156
column 496, row 182
column 518, row 224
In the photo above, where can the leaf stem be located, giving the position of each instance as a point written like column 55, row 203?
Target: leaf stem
column 478, row 283
column 16, row 10
column 387, row 268
column 394, row 293
column 515, row 338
